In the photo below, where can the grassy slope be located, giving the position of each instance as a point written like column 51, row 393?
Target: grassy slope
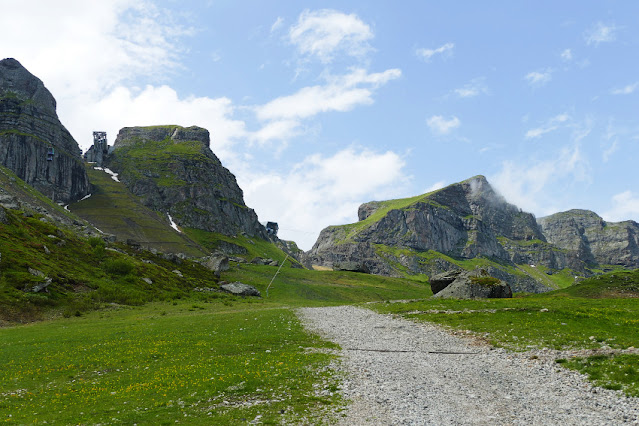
column 113, row 209
column 203, row 363
column 84, row 276
column 599, row 313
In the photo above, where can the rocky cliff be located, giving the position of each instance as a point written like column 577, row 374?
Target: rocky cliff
column 466, row 224
column 592, row 239
column 33, row 142
column 175, row 172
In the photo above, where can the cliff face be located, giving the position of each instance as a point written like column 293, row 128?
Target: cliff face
column 441, row 230
column 174, row 171
column 593, row 239
column 29, row 129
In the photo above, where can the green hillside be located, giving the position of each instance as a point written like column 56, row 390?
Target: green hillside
column 114, row 210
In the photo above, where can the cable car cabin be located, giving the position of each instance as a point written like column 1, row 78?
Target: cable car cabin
column 50, row 154
column 272, row 228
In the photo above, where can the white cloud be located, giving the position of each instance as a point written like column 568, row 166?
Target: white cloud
column 277, row 24
column 435, row 187
column 322, row 191
column 526, row 183
column 566, row 55
column 551, row 125
column 475, row 88
column 426, row 54
column 341, row 93
column 610, row 150
column 626, row 90
column 442, row 126
column 601, row 33
column 625, row 207
column 539, row 78
column 324, row 33
column 157, row 105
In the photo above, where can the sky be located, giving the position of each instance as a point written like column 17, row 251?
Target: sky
column 319, row 106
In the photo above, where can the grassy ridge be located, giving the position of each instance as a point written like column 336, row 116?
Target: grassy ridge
column 599, row 313
column 190, row 363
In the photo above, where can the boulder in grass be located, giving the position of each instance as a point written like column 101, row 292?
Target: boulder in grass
column 441, row 281
column 240, row 289
column 477, row 284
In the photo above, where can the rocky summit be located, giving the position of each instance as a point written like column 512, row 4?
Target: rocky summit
column 468, row 224
column 175, row 172
column 593, row 239
column 33, row 143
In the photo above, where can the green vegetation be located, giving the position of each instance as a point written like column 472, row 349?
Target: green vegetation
column 84, row 274
column 203, row 363
column 113, row 209
column 249, row 248
column 485, row 281
column 600, row 312
column 301, row 287
column 618, row 373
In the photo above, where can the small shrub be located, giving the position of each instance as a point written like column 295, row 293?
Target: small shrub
column 118, row 267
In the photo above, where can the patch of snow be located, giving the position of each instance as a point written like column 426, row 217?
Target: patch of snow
column 85, row 197
column 114, row 175
column 98, row 229
column 98, row 168
column 532, row 266
column 173, row 224
column 66, row 207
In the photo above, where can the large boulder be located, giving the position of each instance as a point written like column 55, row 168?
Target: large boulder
column 351, row 267
column 441, row 281
column 477, row 284
column 217, row 263
column 240, row 289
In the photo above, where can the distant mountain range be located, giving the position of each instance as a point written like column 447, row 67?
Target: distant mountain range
column 162, row 188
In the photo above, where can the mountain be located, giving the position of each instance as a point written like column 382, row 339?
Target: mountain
column 593, row 239
column 174, row 171
column 464, row 225
column 33, row 143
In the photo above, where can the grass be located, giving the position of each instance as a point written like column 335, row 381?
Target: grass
column 204, row 363
column 599, row 313
column 85, row 275
column 301, row 287
column 115, row 210
column 616, row 373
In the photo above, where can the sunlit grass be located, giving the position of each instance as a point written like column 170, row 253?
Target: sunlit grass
column 201, row 363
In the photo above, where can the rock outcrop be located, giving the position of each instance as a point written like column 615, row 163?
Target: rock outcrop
column 592, row 239
column 477, row 284
column 463, row 221
column 175, row 172
column 33, row 142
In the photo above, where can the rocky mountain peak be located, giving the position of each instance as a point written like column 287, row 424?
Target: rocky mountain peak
column 33, row 142
column 175, row 172
column 15, row 79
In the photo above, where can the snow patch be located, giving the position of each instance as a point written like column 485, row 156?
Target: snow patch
column 66, row 207
column 173, row 224
column 114, row 175
column 85, row 197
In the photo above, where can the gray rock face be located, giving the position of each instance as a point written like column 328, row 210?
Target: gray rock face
column 441, row 281
column 29, row 129
column 477, row 284
column 464, row 221
column 592, row 239
column 174, row 171
column 351, row 267
column 240, row 289
column 4, row 219
column 217, row 263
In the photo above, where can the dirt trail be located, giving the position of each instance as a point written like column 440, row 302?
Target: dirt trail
column 400, row 372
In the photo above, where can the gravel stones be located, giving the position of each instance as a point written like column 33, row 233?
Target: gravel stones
column 400, row 372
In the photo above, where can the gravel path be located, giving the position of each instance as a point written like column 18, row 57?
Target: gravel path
column 400, row 372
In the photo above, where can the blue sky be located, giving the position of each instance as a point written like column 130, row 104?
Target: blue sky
column 317, row 107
